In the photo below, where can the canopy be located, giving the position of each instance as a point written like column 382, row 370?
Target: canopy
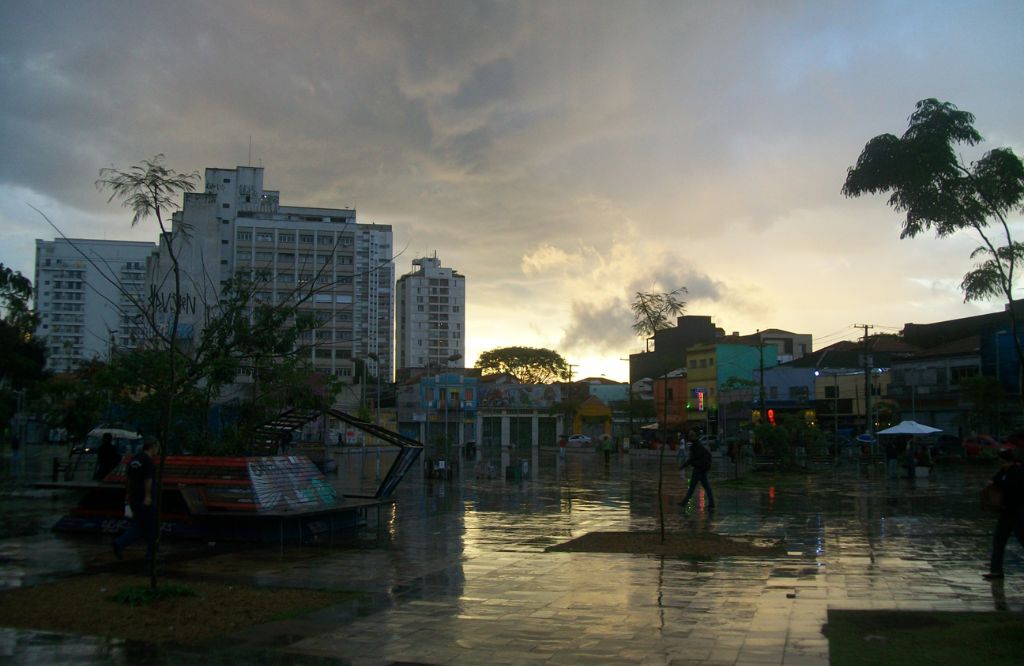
column 909, row 428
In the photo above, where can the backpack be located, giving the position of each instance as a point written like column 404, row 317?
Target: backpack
column 701, row 457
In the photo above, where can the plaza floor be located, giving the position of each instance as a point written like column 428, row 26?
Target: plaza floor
column 458, row 573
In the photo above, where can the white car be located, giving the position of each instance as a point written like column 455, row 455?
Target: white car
column 579, row 440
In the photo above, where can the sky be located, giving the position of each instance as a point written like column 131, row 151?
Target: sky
column 562, row 155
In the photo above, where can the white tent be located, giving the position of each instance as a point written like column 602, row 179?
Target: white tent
column 909, row 428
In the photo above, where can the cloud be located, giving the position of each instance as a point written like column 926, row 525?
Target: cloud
column 561, row 155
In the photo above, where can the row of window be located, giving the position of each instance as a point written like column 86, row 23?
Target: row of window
column 289, row 258
column 267, row 236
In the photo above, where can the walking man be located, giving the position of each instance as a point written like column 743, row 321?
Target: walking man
column 700, row 460
column 1009, row 480
column 140, row 501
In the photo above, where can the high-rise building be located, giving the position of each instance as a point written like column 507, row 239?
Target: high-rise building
column 431, row 312
column 86, row 295
column 339, row 270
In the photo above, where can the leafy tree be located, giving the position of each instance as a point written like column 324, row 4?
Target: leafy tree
column 529, row 365
column 986, row 396
column 151, row 189
column 74, row 402
column 651, row 313
column 937, row 190
column 22, row 356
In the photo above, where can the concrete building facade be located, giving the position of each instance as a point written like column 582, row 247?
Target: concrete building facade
column 86, row 294
column 431, row 317
column 339, row 270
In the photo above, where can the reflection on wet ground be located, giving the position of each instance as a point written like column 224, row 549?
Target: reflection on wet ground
column 458, row 573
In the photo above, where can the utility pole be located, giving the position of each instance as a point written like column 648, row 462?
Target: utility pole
column 760, row 348
column 868, row 421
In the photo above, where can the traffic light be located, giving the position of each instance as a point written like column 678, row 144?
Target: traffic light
column 771, row 416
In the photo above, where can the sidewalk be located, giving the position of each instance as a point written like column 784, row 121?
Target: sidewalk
column 462, row 576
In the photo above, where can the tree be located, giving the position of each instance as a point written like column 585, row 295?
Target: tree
column 529, row 365
column 151, row 189
column 938, row 191
column 22, row 356
column 651, row 313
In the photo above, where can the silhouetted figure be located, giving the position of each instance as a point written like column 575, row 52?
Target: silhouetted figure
column 700, row 460
column 140, row 501
column 107, row 458
column 1009, row 480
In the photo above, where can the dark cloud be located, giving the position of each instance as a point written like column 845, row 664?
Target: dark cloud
column 484, row 129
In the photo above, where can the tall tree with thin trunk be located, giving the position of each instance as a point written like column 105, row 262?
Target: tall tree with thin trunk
column 937, row 190
column 652, row 312
column 151, row 189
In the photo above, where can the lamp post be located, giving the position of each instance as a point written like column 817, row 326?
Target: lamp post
column 448, row 362
column 440, row 385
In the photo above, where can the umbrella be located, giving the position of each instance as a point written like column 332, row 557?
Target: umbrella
column 909, row 428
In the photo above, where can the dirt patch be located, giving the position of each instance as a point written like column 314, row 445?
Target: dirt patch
column 682, row 545
column 85, row 605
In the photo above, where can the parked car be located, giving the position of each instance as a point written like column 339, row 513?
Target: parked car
column 579, row 440
column 126, row 441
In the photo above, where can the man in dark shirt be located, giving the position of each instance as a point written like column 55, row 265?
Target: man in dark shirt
column 1009, row 480
column 700, row 460
column 140, row 501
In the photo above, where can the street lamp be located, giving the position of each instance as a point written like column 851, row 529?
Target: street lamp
column 440, row 386
column 451, row 359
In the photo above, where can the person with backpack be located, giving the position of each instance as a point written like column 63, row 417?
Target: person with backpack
column 700, row 460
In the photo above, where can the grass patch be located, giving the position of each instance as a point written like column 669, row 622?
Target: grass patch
column 141, row 595
column 204, row 610
column 892, row 638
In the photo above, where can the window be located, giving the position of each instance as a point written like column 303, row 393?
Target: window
column 957, row 374
column 225, row 205
column 227, row 180
column 306, row 238
column 325, row 240
column 264, row 237
column 245, row 235
column 287, row 257
column 285, row 237
column 343, row 298
column 831, row 392
column 322, row 298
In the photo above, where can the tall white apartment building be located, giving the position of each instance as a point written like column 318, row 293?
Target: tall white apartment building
column 236, row 227
column 431, row 311
column 86, row 295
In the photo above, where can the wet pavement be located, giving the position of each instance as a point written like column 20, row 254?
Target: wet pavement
column 458, row 573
